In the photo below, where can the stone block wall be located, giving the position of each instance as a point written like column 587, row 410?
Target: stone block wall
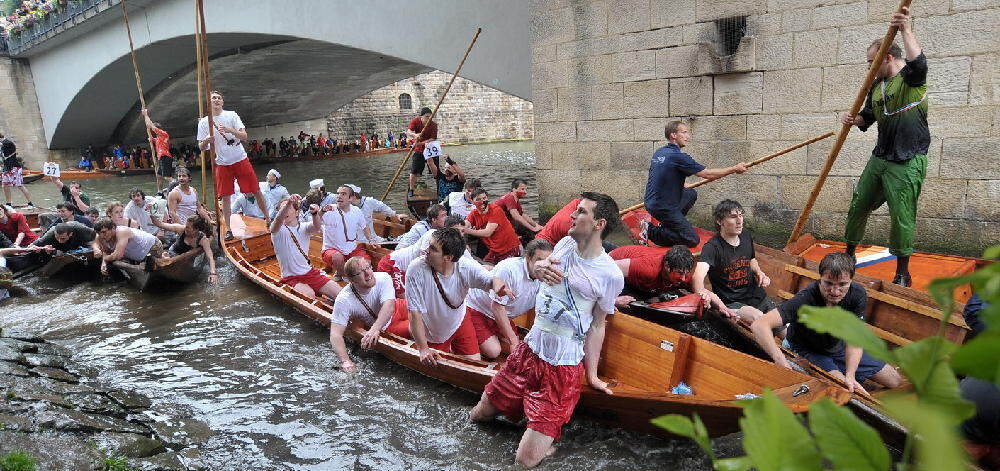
column 608, row 74
column 471, row 111
column 20, row 119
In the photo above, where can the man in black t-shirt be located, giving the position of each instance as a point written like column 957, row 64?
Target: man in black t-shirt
column 845, row 362
column 729, row 261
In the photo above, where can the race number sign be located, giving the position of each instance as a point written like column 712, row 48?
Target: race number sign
column 51, row 169
column 432, row 149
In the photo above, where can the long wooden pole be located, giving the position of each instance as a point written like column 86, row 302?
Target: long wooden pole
column 142, row 100
column 201, row 107
column 859, row 101
column 751, row 164
column 433, row 112
column 207, row 96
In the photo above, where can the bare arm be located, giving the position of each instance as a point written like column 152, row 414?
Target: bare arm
column 484, row 232
column 124, row 235
column 172, row 199
column 710, row 298
column 761, row 329
column 592, row 351
column 503, row 323
column 524, row 220
column 762, row 277
column 57, row 182
column 911, row 48
column 370, row 338
column 852, row 356
column 458, row 171
column 206, row 245
column 340, row 348
column 434, row 168
column 419, row 332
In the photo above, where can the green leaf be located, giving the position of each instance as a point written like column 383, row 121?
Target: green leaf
column 773, row 437
column 925, row 363
column 844, row 325
column 683, row 426
column 980, row 357
column 992, row 253
column 743, row 463
column 844, row 440
column 938, row 447
column 943, row 291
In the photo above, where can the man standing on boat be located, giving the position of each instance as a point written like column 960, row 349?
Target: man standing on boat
column 12, row 173
column 666, row 198
column 290, row 239
column 729, row 261
column 273, row 191
column 493, row 316
column 541, row 377
column 847, row 363
column 182, row 201
column 423, row 130
column 369, row 297
column 343, row 223
column 161, row 144
column 231, row 162
column 896, row 169
column 436, row 286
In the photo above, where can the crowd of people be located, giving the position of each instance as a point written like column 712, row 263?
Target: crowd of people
column 308, row 145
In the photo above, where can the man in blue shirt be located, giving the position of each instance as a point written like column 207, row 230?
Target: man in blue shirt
column 666, row 198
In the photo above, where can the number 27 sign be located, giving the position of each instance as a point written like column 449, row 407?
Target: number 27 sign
column 51, row 169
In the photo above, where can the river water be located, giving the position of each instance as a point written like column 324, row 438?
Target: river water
column 264, row 377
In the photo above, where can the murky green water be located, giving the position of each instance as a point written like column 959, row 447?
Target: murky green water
column 263, row 376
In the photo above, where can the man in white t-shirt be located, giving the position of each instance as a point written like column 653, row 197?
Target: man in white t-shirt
column 396, row 263
column 273, row 191
column 231, row 162
column 246, row 204
column 138, row 208
column 492, row 316
column 541, row 378
column 369, row 206
column 291, row 246
column 343, row 226
column 436, row 286
column 460, row 202
column 369, row 298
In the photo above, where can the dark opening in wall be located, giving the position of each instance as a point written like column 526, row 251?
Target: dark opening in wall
column 405, row 102
column 731, row 31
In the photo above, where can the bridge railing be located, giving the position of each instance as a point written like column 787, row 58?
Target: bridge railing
column 66, row 12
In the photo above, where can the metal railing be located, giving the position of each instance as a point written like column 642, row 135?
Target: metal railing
column 64, row 13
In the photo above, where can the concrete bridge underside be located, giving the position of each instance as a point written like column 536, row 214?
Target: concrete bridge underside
column 276, row 62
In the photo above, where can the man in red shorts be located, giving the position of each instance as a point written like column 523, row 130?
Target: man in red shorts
column 558, row 225
column 342, row 224
column 436, row 286
column 541, row 378
column 490, row 224
column 396, row 263
column 291, row 246
column 369, row 298
column 231, row 162
column 493, row 316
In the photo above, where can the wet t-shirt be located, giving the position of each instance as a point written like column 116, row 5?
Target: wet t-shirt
column 899, row 106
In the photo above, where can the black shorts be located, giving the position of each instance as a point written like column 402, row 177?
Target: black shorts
column 419, row 163
column 166, row 166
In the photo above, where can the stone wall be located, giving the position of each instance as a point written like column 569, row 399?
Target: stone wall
column 20, row 119
column 607, row 75
column 471, row 111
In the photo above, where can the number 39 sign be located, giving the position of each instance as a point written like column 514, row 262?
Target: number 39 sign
column 51, row 169
column 432, row 149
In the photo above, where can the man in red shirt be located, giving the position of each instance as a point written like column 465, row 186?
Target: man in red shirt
column 558, row 225
column 421, row 129
column 161, row 141
column 655, row 270
column 489, row 223
column 15, row 227
column 524, row 225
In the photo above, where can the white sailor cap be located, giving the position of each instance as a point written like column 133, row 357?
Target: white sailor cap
column 355, row 188
column 274, row 172
column 316, row 184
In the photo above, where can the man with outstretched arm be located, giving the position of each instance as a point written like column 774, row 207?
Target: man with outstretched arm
column 541, row 377
column 231, row 162
column 896, row 169
column 369, row 297
column 666, row 198
column 291, row 247
column 120, row 242
column 845, row 362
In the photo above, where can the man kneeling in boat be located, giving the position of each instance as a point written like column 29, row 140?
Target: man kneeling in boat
column 291, row 246
column 541, row 377
column 342, row 224
column 369, row 297
column 493, row 316
column 845, row 362
column 436, row 286
column 120, row 242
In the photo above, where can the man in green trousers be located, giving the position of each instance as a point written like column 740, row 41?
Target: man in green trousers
column 895, row 172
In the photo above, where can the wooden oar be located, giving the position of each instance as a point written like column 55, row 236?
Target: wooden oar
column 751, row 164
column 433, row 113
column 207, row 96
column 201, row 107
column 859, row 101
column 142, row 100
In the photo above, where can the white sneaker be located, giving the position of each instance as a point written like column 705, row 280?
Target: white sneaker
column 643, row 232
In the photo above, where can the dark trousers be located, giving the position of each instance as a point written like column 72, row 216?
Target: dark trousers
column 674, row 227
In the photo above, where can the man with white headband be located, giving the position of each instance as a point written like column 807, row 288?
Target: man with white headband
column 273, row 192
column 328, row 198
column 369, row 206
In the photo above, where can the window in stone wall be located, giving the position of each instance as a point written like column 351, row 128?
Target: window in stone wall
column 405, row 102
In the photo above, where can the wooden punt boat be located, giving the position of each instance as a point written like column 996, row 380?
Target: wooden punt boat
column 184, row 268
column 898, row 315
column 641, row 361
column 421, row 200
column 65, row 262
column 126, row 172
column 31, row 176
column 267, row 160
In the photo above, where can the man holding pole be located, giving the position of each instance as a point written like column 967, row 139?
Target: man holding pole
column 666, row 198
column 161, row 144
column 422, row 129
column 896, row 169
